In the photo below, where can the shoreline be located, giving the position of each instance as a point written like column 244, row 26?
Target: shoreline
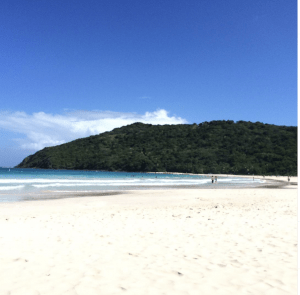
column 270, row 183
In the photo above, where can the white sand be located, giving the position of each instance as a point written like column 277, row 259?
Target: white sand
column 152, row 242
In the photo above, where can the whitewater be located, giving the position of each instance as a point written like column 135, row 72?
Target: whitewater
column 19, row 184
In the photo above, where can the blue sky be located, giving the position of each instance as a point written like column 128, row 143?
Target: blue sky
column 75, row 68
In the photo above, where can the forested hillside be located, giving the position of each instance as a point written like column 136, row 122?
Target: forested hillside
column 210, row 147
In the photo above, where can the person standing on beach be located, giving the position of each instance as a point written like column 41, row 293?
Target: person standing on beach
column 212, row 179
column 216, row 179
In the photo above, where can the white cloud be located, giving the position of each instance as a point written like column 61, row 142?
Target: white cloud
column 41, row 129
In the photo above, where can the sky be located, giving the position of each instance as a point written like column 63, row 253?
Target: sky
column 71, row 69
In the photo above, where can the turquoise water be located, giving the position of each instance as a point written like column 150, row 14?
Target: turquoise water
column 17, row 182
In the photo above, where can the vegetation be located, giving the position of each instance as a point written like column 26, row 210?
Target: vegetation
column 210, row 147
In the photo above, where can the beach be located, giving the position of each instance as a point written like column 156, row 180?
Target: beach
column 172, row 241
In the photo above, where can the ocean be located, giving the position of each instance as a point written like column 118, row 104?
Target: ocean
column 18, row 184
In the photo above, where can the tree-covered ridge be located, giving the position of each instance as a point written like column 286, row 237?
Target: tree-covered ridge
column 210, row 147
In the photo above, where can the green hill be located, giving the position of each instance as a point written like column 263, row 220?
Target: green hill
column 210, row 147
